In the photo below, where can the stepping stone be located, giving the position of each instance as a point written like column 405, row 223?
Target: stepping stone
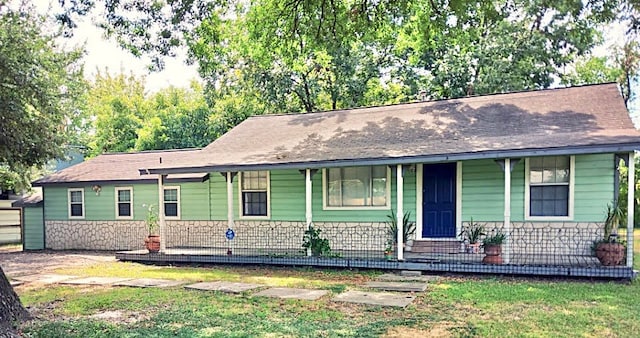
column 288, row 293
column 375, row 298
column 15, row 283
column 45, row 278
column 398, row 286
column 410, row 273
column 391, row 277
column 150, row 283
column 228, row 287
column 96, row 280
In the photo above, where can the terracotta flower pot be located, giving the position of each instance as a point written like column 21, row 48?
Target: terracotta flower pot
column 610, row 253
column 493, row 254
column 152, row 243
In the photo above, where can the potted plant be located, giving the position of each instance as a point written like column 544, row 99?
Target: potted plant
column 152, row 242
column 471, row 235
column 388, row 251
column 408, row 229
column 610, row 250
column 493, row 248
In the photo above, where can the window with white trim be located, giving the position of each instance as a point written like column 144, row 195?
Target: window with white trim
column 254, row 193
column 357, row 187
column 124, row 203
column 549, row 186
column 76, row 203
column 172, row 202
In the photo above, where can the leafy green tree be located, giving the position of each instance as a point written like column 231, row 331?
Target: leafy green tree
column 118, row 107
column 183, row 120
column 39, row 87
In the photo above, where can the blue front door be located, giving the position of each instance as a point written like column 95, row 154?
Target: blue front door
column 439, row 200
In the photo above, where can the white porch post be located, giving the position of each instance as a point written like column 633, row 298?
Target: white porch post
column 163, row 232
column 230, row 222
column 308, row 208
column 400, row 215
column 507, row 209
column 630, row 207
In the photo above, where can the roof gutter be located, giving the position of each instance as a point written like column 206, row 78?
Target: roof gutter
column 496, row 154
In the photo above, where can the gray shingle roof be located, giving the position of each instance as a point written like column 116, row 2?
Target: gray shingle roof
column 118, row 167
column 561, row 119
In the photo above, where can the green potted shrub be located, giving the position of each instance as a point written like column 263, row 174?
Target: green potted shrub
column 388, row 251
column 408, row 229
column 152, row 242
column 610, row 249
column 493, row 247
column 471, row 235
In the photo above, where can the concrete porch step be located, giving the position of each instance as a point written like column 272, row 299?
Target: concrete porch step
column 435, row 246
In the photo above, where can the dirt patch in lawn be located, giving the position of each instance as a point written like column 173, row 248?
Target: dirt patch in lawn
column 21, row 263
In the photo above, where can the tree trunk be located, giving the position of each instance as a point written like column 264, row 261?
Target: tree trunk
column 11, row 310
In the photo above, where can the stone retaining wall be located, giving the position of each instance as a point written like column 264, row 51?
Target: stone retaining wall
column 95, row 235
column 549, row 238
column 265, row 235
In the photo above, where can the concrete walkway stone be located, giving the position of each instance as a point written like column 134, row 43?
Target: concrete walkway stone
column 150, row 283
column 375, row 298
column 14, row 283
column 96, row 280
column 289, row 293
column 391, row 277
column 228, row 287
column 398, row 286
column 45, row 278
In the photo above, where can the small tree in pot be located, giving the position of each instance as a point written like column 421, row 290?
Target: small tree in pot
column 493, row 248
column 471, row 235
column 152, row 242
column 610, row 250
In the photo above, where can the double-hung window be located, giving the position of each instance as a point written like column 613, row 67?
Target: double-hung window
column 550, row 187
column 76, row 203
column 254, row 193
column 124, row 203
column 172, row 202
column 357, row 187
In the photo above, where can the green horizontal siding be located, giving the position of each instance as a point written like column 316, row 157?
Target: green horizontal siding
column 288, row 195
column 482, row 191
column 33, row 228
column 594, row 178
column 55, row 203
column 194, row 201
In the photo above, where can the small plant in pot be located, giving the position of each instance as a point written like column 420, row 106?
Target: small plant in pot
column 152, row 242
column 408, row 229
column 388, row 251
column 610, row 249
column 493, row 248
column 471, row 235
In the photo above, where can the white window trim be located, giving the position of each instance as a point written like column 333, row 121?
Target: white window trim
column 177, row 187
column 527, row 194
column 327, row 207
column 69, row 191
column 118, row 189
column 240, row 204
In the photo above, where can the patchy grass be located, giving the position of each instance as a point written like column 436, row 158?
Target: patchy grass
column 451, row 307
column 272, row 276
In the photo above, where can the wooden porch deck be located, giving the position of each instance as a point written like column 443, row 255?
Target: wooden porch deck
column 536, row 265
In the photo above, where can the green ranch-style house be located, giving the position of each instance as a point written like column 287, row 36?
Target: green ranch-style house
column 538, row 166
